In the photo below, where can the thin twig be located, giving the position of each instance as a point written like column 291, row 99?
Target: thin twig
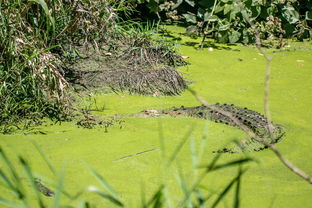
column 209, row 20
column 288, row 164
column 245, row 128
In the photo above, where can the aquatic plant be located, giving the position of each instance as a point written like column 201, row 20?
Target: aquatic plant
column 27, row 188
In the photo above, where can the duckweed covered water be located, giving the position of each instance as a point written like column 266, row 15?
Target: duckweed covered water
column 224, row 74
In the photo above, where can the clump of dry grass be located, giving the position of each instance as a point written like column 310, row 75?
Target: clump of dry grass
column 142, row 51
column 163, row 81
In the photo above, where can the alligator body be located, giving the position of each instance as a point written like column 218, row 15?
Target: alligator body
column 254, row 121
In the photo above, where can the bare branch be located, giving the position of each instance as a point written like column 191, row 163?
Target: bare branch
column 245, row 128
column 288, row 164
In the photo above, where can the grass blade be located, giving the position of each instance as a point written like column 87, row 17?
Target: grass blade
column 9, row 203
column 227, row 188
column 203, row 142
column 143, row 199
column 102, row 181
column 17, row 188
column 162, row 140
column 44, row 157
column 9, row 165
column 193, row 153
column 200, row 199
column 59, row 189
column 107, row 196
column 226, row 165
column 8, row 183
column 32, row 181
column 179, row 147
column 157, row 198
column 45, row 8
column 213, row 162
column 237, row 192
column 182, row 181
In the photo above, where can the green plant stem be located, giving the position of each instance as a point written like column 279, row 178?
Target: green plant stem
column 204, row 37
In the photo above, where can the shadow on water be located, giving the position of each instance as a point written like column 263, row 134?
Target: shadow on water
column 210, row 44
column 196, row 44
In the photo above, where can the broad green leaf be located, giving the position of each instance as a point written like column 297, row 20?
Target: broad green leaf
column 218, row 8
column 290, row 14
column 201, row 13
column 234, row 36
column 206, row 3
column 223, row 36
column 232, row 15
column 153, row 6
column 190, row 18
column 179, row 2
column 227, row 8
column 308, row 15
column 206, row 16
column 255, row 12
column 190, row 2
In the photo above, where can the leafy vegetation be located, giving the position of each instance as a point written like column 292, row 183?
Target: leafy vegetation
column 32, row 80
column 224, row 21
column 39, row 39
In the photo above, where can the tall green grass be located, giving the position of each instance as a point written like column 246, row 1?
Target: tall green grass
column 19, row 184
column 35, row 34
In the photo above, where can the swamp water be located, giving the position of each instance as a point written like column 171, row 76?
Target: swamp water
column 128, row 156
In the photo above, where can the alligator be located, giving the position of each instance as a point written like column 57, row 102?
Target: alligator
column 42, row 188
column 255, row 122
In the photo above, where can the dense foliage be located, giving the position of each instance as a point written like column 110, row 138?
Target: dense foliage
column 41, row 40
column 34, row 33
column 223, row 19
